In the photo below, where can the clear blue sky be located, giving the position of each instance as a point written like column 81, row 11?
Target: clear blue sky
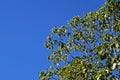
column 24, row 25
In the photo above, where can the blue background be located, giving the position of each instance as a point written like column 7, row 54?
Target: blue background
column 24, row 25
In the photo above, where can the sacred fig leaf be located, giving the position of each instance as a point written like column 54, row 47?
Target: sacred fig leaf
column 114, row 66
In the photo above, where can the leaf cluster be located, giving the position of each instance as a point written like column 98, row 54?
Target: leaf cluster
column 86, row 48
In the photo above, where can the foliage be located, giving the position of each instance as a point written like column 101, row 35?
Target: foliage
column 87, row 48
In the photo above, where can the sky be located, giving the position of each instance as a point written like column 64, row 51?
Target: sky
column 24, row 25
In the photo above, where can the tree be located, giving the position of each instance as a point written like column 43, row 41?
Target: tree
column 86, row 48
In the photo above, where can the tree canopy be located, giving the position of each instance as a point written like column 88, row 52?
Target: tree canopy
column 86, row 48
